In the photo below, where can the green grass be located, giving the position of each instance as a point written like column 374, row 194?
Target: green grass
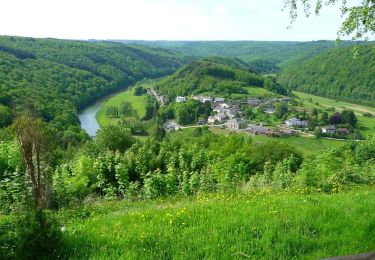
column 138, row 104
column 263, row 225
column 327, row 102
column 306, row 145
column 257, row 91
column 365, row 124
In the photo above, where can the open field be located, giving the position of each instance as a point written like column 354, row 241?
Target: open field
column 365, row 124
column 137, row 102
column 327, row 102
column 257, row 225
column 257, row 91
column 308, row 146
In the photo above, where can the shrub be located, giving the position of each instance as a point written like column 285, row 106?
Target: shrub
column 30, row 235
column 154, row 185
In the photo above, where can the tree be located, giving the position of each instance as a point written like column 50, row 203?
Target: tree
column 336, row 118
column 315, row 113
column 249, row 114
column 281, row 109
column 114, row 138
column 360, row 18
column 197, row 132
column 32, row 143
column 349, row 117
column 157, row 132
column 324, row 118
column 139, row 91
column 5, row 116
column 311, row 125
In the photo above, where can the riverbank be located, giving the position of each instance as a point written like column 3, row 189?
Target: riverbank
column 91, row 118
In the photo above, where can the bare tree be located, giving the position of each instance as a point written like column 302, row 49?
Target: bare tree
column 31, row 140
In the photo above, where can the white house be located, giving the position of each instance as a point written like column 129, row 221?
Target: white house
column 295, row 122
column 236, row 124
column 206, row 99
column 211, row 120
column 221, row 117
column 180, row 99
column 254, row 102
column 328, row 129
column 257, row 129
column 219, row 100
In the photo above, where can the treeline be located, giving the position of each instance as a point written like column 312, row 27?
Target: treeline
column 340, row 74
column 282, row 54
column 54, row 78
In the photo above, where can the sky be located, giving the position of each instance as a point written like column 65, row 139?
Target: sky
column 163, row 20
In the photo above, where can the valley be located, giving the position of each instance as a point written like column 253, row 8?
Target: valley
column 144, row 150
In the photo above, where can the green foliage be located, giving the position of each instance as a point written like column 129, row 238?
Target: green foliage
column 272, row 85
column 334, row 169
column 283, row 54
column 265, row 66
column 71, row 183
column 336, row 74
column 114, row 138
column 281, row 109
column 189, row 112
column 5, row 116
column 12, row 177
column 175, row 165
column 209, row 75
column 139, row 91
column 56, row 77
column 359, row 16
column 31, row 235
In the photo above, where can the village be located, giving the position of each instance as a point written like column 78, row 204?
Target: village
column 230, row 115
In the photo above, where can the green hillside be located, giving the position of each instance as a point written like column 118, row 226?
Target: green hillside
column 56, row 77
column 336, row 74
column 265, row 56
column 212, row 75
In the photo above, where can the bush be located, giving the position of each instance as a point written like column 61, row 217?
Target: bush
column 154, row 185
column 30, row 235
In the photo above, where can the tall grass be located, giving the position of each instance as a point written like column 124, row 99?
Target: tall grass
column 288, row 225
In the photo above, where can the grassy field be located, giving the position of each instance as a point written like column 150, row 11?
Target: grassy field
column 327, row 102
column 365, row 124
column 261, row 225
column 256, row 91
column 137, row 102
column 308, row 146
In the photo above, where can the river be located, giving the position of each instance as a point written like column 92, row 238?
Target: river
column 87, row 116
column 88, row 119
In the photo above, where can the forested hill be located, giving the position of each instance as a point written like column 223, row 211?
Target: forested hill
column 56, row 77
column 212, row 75
column 264, row 56
column 336, row 74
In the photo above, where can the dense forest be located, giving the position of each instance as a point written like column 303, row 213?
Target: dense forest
column 337, row 74
column 264, row 56
column 220, row 76
column 54, row 78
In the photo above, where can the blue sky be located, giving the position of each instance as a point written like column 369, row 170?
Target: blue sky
column 163, row 20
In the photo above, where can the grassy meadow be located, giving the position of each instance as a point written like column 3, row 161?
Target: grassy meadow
column 306, row 145
column 366, row 124
column 137, row 102
column 258, row 225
